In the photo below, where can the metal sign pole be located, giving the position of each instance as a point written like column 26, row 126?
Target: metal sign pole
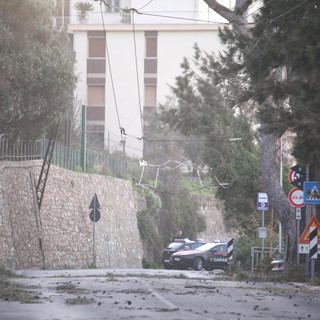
column 313, row 270
column 298, row 235
column 262, row 239
column 307, row 266
column 95, row 217
column 298, row 218
column 94, row 231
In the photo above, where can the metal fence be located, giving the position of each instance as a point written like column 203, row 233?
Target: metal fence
column 66, row 157
column 97, row 162
column 258, row 253
column 20, row 150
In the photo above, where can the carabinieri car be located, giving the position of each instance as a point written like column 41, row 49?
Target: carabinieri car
column 209, row 256
column 178, row 246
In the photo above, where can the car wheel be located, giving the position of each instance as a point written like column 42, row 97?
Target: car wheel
column 209, row 268
column 166, row 266
column 198, row 264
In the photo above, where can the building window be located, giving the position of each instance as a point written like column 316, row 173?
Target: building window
column 150, row 96
column 151, row 52
column 151, row 47
column 96, row 96
column 112, row 5
column 97, row 48
column 96, row 66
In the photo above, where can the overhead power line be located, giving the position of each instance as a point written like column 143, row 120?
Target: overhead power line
column 171, row 165
column 110, row 70
column 145, row 5
column 137, row 70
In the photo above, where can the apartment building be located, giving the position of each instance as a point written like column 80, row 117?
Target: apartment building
column 128, row 54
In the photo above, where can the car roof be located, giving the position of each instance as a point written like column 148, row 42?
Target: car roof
column 215, row 243
column 186, row 240
column 211, row 245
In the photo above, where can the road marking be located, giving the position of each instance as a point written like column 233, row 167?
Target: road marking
column 161, row 298
column 171, row 305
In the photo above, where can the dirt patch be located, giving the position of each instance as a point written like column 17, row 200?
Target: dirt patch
column 70, row 288
column 10, row 291
column 79, row 300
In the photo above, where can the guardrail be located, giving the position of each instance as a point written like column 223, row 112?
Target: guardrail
column 258, row 253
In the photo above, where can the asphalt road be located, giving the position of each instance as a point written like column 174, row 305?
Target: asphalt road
column 156, row 294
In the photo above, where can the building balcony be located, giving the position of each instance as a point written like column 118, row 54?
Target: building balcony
column 123, row 17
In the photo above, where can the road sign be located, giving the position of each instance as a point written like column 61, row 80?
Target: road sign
column 262, row 201
column 313, row 245
column 262, row 232
column 298, row 213
column 311, row 192
column 299, row 169
column 296, row 197
column 95, row 217
column 297, row 176
column 298, row 183
column 95, row 203
column 95, row 206
column 304, row 238
column 304, row 248
column 230, row 249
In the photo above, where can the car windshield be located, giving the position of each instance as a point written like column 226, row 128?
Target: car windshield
column 207, row 246
column 174, row 245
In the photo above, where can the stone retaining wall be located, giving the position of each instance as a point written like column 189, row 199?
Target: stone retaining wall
column 212, row 208
column 61, row 234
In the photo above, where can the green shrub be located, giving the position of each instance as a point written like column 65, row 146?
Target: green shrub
column 149, row 264
column 296, row 272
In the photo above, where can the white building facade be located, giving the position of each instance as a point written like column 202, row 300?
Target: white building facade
column 127, row 60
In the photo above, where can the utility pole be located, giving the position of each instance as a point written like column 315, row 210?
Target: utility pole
column 84, row 138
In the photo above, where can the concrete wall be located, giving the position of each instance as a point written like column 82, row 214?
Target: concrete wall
column 61, row 234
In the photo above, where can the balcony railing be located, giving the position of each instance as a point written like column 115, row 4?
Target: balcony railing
column 123, row 17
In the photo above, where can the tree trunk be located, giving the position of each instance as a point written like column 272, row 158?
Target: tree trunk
column 277, row 198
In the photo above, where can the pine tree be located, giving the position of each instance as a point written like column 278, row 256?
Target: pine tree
column 282, row 62
column 279, row 58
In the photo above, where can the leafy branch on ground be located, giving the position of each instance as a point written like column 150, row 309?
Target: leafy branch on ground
column 12, row 291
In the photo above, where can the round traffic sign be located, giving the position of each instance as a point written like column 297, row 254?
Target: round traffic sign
column 95, row 217
column 296, row 197
column 293, row 175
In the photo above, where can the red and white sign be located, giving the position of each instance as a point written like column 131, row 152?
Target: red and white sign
column 304, row 238
column 293, row 175
column 296, row 197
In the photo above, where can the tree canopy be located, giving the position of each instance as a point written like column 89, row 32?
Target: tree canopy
column 37, row 69
column 280, row 58
column 274, row 66
column 207, row 106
